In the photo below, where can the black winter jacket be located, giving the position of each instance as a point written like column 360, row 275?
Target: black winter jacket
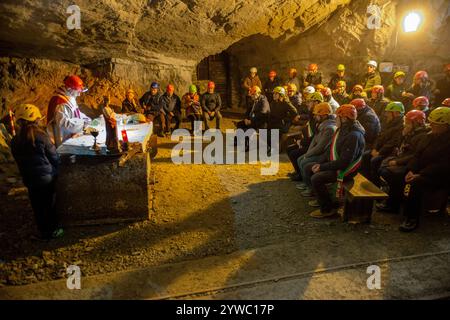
column 151, row 103
column 170, row 103
column 211, row 102
column 432, row 159
column 371, row 123
column 36, row 162
column 390, row 137
column 258, row 114
column 349, row 146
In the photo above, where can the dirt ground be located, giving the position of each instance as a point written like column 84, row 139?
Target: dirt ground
column 200, row 211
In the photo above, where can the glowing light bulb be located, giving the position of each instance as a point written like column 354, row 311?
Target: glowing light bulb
column 412, row 21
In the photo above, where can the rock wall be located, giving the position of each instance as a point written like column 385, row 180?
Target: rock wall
column 344, row 38
column 31, row 80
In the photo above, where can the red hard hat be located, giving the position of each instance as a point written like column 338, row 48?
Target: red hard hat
column 74, row 82
column 348, row 111
column 211, row 84
column 421, row 101
column 416, row 116
column 447, row 67
column 170, row 88
column 421, row 75
column 358, row 103
column 377, row 89
column 446, row 102
column 313, row 67
column 272, row 73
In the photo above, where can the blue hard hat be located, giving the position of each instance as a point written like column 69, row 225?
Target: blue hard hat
column 154, row 85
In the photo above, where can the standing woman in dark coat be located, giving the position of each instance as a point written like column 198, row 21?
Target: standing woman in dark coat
column 37, row 160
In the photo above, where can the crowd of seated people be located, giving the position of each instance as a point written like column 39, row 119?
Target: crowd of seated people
column 398, row 137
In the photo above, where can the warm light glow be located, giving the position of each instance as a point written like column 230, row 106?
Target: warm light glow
column 412, row 22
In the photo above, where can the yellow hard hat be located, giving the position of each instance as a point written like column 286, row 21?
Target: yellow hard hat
column 440, row 115
column 27, row 112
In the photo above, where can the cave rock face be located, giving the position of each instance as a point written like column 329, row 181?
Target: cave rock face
column 141, row 29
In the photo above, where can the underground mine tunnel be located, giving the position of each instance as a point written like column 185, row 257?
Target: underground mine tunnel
column 248, row 149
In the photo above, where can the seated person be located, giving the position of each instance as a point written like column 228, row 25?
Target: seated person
column 393, row 168
column 190, row 102
column 282, row 113
column 295, row 97
column 171, row 104
column 340, row 93
column 211, row 105
column 358, row 92
column 314, row 76
column 338, row 165
column 394, row 91
column 369, row 120
column 421, row 103
column 271, row 83
column 328, row 97
column 429, row 169
column 257, row 116
column 386, row 143
column 151, row 102
column 422, row 86
column 309, row 127
column 320, row 143
column 377, row 101
column 130, row 104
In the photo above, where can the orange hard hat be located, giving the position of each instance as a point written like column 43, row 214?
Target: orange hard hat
column 358, row 103
column 170, row 88
column 255, row 89
column 211, row 85
column 272, row 73
column 421, row 101
column 347, row 111
column 74, row 82
column 313, row 67
column 322, row 109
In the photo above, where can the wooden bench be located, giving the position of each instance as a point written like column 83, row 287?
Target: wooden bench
column 360, row 194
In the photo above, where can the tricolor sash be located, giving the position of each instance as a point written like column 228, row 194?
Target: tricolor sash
column 341, row 174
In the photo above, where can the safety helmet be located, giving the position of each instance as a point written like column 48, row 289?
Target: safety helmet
column 293, row 71
column 395, row 106
column 358, row 103
column 130, row 91
column 341, row 84
column 316, row 96
column 322, row 109
column 319, row 87
column 377, row 89
column 292, row 87
column 399, row 74
column 440, row 115
column 254, row 90
column 253, row 70
column 421, row 75
column 347, row 111
column 421, row 101
column 272, row 73
column 313, row 67
column 27, row 112
column 446, row 102
column 340, row 67
column 74, row 82
column 309, row 90
column 447, row 67
column 326, row 92
column 192, row 88
column 211, row 85
column 372, row 63
column 416, row 116
column 154, row 85
column 358, row 87
column 279, row 90
column 170, row 88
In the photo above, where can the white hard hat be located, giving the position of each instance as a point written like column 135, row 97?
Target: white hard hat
column 253, row 70
column 372, row 63
column 309, row 90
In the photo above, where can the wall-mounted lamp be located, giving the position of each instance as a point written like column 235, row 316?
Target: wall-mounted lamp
column 412, row 21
